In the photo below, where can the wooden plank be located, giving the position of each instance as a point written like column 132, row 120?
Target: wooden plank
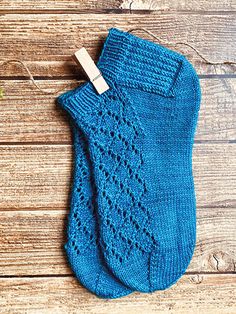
column 211, row 294
column 47, row 41
column 134, row 5
column 29, row 116
column 62, row 5
column 31, row 242
column 35, row 176
column 218, row 110
column 185, row 5
column 38, row 176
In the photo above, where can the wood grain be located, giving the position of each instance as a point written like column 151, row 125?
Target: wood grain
column 109, row 5
column 39, row 176
column 211, row 294
column 36, row 176
column 29, row 116
column 185, row 5
column 60, row 5
column 36, row 152
column 47, row 41
column 31, row 242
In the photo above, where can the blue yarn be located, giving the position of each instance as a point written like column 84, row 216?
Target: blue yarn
column 140, row 136
column 82, row 249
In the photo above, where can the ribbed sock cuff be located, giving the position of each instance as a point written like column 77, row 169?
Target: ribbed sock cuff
column 135, row 62
column 80, row 101
column 129, row 61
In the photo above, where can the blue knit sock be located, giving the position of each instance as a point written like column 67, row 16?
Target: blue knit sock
column 140, row 135
column 82, row 248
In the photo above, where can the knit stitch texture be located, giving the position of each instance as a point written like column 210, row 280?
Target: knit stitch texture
column 140, row 136
column 82, row 247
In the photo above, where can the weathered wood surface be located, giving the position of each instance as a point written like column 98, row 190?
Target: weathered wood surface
column 31, row 242
column 185, row 5
column 211, row 294
column 116, row 5
column 60, row 5
column 29, row 116
column 39, row 176
column 36, row 176
column 47, row 41
column 36, row 151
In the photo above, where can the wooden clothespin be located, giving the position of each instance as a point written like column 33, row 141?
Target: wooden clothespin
column 95, row 76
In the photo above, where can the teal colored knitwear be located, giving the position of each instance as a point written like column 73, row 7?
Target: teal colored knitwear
column 140, row 137
column 82, row 247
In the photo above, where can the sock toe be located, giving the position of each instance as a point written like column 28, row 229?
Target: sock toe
column 93, row 275
column 133, row 273
column 110, row 288
column 153, row 271
column 167, row 266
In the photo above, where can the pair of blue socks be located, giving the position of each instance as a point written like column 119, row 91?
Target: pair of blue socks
column 132, row 221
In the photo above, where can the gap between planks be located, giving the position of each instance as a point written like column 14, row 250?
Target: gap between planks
column 81, row 79
column 73, row 276
column 52, row 143
column 115, row 11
